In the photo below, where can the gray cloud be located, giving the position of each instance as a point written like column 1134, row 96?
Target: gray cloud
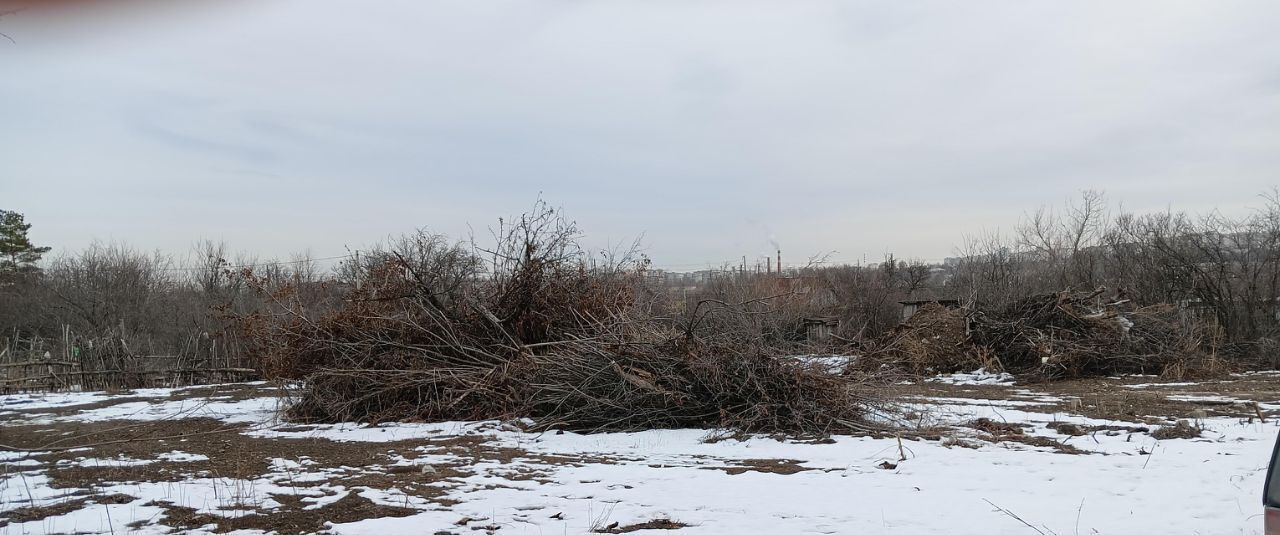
column 711, row 127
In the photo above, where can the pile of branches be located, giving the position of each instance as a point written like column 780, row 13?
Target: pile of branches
column 1260, row 354
column 532, row 328
column 682, row 382
column 933, row 340
column 1068, row 335
column 1052, row 336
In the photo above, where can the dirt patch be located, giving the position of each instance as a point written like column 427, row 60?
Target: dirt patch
column 768, row 466
column 994, row 428
column 231, row 454
column 1182, row 429
column 33, row 513
column 1137, row 399
column 1068, row 429
column 661, row 523
column 1113, row 430
column 1046, row 442
column 1077, row 430
column 228, row 450
column 350, row 508
column 1005, row 432
column 949, row 442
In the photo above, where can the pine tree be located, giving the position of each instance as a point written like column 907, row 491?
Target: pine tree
column 16, row 251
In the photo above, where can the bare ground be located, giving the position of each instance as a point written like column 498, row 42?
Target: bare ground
column 1145, row 399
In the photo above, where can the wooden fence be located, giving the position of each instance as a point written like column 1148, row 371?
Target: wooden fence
column 38, row 366
column 56, row 375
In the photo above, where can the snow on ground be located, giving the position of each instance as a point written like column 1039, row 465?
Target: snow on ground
column 834, row 364
column 979, row 377
column 1128, row 482
column 1158, row 385
column 1203, row 398
column 1212, row 484
column 122, row 461
column 254, row 410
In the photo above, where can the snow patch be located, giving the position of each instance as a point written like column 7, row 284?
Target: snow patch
column 978, row 377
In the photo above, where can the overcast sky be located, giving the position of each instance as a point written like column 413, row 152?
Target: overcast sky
column 712, row 128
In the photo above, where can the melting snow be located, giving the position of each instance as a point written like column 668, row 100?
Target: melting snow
column 1130, row 483
column 979, row 377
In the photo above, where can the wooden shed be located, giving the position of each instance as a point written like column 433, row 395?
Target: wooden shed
column 909, row 307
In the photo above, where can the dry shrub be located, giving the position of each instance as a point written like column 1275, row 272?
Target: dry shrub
column 1054, row 336
column 1260, row 354
column 774, row 310
column 532, row 328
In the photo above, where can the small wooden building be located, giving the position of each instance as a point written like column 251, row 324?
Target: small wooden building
column 910, row 306
column 819, row 329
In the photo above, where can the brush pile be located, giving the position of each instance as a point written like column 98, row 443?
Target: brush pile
column 1053, row 336
column 435, row 332
column 1067, row 335
column 933, row 340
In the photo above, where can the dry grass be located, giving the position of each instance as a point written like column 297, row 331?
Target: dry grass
column 1182, row 429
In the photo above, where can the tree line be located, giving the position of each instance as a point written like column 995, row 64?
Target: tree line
column 1224, row 268
column 113, row 303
